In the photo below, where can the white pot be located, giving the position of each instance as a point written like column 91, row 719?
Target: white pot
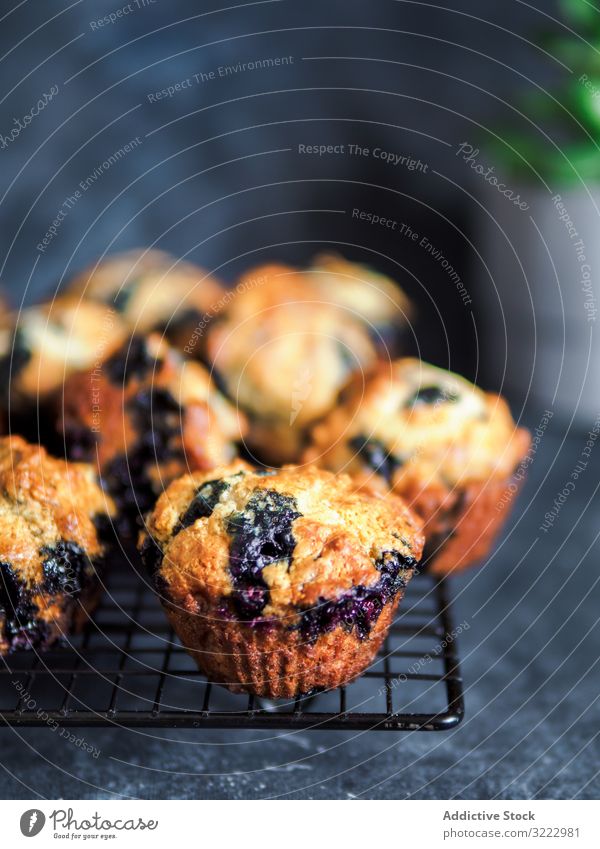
column 541, row 290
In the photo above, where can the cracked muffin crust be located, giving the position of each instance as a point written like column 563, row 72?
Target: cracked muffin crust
column 45, row 343
column 151, row 290
column 279, row 582
column 53, row 516
column 282, row 351
column 448, row 448
column 144, row 417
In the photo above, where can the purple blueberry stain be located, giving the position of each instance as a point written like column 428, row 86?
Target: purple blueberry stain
column 156, row 419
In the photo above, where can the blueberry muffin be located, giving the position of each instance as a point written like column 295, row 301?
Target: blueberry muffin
column 280, row 583
column 151, row 290
column 45, row 343
column 53, row 517
column 282, row 353
column 146, row 416
column 449, row 449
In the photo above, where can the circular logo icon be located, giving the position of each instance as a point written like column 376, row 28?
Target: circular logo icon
column 32, row 822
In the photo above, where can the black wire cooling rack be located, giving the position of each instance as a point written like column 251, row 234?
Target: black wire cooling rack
column 128, row 669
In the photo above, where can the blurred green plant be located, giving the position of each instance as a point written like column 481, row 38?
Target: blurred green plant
column 576, row 135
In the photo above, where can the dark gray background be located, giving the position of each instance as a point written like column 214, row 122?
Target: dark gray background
column 530, row 654
column 530, row 664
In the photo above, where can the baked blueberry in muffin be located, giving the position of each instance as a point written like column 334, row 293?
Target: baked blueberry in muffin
column 152, row 290
column 448, row 448
column 278, row 583
column 45, row 343
column 144, row 417
column 52, row 516
column 282, row 351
